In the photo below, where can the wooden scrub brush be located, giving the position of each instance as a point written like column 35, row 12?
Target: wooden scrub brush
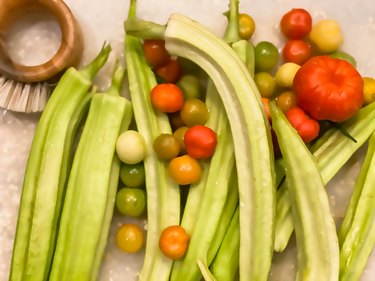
column 27, row 88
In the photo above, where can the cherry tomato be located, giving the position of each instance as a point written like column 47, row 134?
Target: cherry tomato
column 285, row 74
column 185, row 170
column 190, row 86
column 130, row 238
column 131, row 147
column 179, row 134
column 246, row 26
column 167, row 98
column 155, row 52
column 286, row 100
column 194, row 112
column 166, row 146
column 307, row 128
column 369, row 89
column 173, row 242
column 266, row 84
column 200, row 142
column 266, row 56
column 326, row 36
column 131, row 201
column 132, row 175
column 169, row 72
column 266, row 105
column 328, row 89
column 297, row 51
column 344, row 56
column 296, row 24
column 175, row 120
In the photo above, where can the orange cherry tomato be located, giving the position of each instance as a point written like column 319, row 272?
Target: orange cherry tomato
column 155, row 52
column 200, row 142
column 173, row 242
column 328, row 89
column 266, row 102
column 185, row 170
column 167, row 98
column 297, row 51
column 296, row 24
column 170, row 72
column 307, row 128
column 130, row 238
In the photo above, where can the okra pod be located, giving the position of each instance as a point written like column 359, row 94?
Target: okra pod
column 331, row 152
column 357, row 232
column 91, row 189
column 317, row 243
column 47, row 172
column 226, row 263
column 163, row 195
column 215, row 192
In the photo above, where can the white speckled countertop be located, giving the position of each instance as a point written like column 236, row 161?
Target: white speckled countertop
column 103, row 21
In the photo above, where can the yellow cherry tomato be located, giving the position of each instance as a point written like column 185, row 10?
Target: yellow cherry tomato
column 326, row 36
column 130, row 238
column 368, row 90
column 246, row 26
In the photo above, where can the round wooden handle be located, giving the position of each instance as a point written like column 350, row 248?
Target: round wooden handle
column 68, row 54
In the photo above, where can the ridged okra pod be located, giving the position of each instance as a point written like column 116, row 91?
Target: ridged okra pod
column 47, row 172
column 317, row 243
column 331, row 151
column 357, row 232
column 91, row 189
column 252, row 141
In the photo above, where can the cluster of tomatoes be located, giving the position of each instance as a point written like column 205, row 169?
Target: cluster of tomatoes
column 179, row 96
column 316, row 81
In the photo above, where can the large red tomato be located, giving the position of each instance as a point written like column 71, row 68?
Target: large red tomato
column 328, row 88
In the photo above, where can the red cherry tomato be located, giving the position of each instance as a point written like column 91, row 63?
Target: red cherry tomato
column 200, row 142
column 167, row 98
column 297, row 51
column 169, row 72
column 155, row 52
column 296, row 24
column 173, row 242
column 328, row 88
column 307, row 128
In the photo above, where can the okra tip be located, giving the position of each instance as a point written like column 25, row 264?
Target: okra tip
column 117, row 78
column 90, row 70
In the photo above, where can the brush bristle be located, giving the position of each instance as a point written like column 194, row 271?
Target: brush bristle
column 23, row 97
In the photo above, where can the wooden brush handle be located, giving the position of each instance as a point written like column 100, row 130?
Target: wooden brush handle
column 68, row 54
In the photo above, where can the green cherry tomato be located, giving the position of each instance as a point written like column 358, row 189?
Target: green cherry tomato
column 266, row 56
column 131, row 201
column 194, row 112
column 179, row 134
column 344, row 56
column 166, row 146
column 133, row 175
column 266, row 84
column 190, row 86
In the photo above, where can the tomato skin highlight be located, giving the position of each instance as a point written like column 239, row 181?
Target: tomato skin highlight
column 296, row 24
column 173, row 242
column 307, row 128
column 167, row 98
column 328, row 89
column 200, row 142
